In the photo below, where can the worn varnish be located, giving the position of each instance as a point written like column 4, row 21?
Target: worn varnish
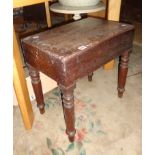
column 69, row 52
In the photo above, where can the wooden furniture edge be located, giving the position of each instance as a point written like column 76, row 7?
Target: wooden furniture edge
column 48, row 16
column 21, row 87
column 21, row 3
column 113, row 13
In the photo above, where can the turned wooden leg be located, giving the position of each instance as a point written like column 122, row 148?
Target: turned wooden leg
column 68, row 107
column 90, row 76
column 122, row 73
column 36, row 83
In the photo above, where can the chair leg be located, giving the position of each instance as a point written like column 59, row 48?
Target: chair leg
column 36, row 83
column 122, row 73
column 48, row 17
column 90, row 76
column 68, row 107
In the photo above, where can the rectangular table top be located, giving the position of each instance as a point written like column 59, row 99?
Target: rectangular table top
column 74, row 38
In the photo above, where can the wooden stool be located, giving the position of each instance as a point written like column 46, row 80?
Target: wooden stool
column 72, row 51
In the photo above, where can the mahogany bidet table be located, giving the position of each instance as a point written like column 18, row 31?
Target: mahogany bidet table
column 72, row 51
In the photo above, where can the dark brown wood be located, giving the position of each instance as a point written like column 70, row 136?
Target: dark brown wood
column 122, row 73
column 37, row 87
column 70, row 52
column 81, row 46
column 68, row 107
column 90, row 77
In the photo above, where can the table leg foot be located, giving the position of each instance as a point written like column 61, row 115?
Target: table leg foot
column 122, row 73
column 71, row 139
column 120, row 92
column 90, row 77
